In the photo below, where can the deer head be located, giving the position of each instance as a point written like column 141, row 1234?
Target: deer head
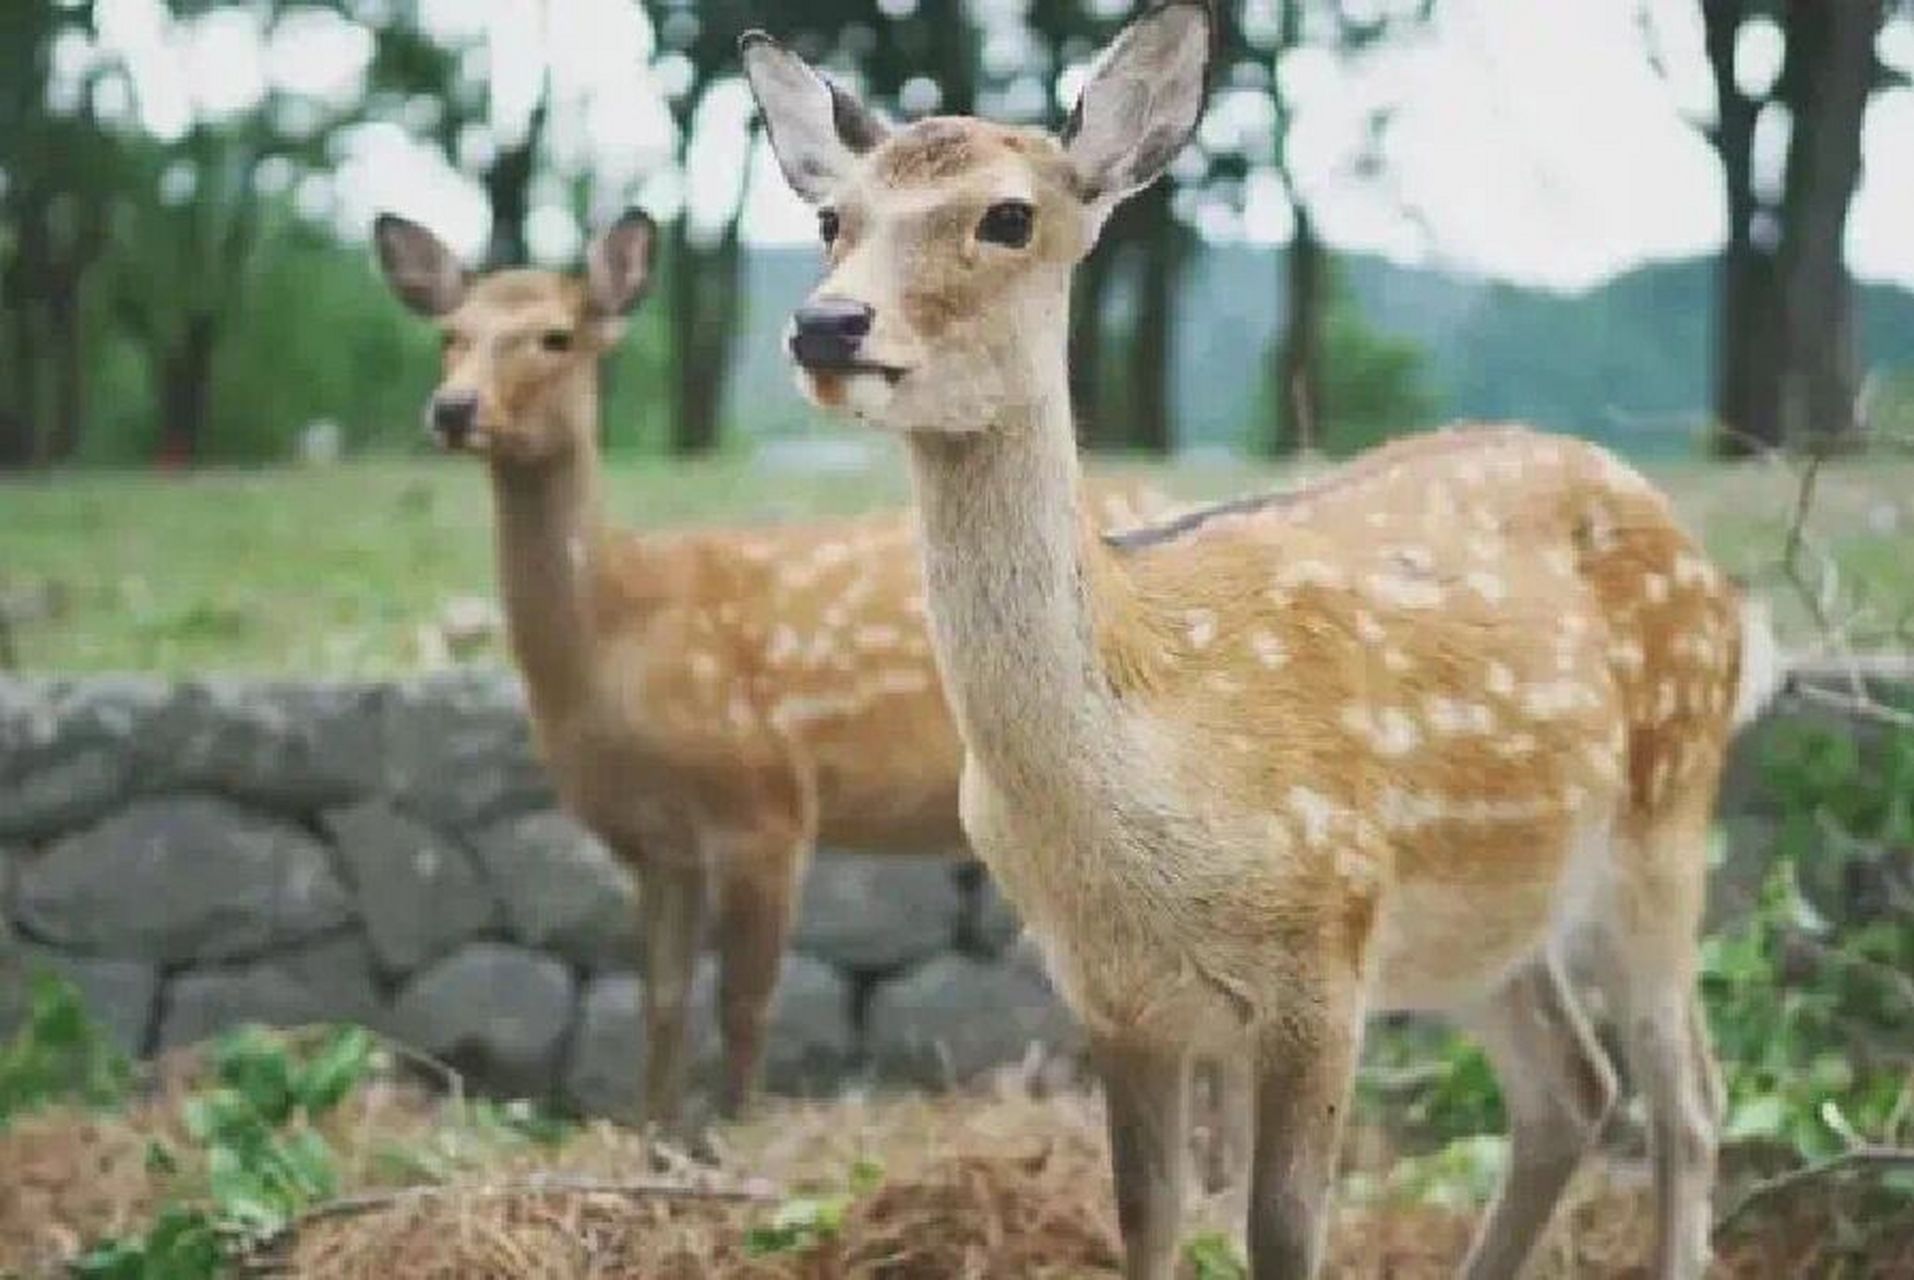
column 950, row 242
column 521, row 347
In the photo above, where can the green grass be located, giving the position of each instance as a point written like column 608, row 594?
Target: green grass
column 335, row 571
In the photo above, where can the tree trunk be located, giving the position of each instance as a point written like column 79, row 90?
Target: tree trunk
column 20, row 417
column 1826, row 82
column 1299, row 356
column 1152, row 418
column 1749, row 342
column 69, row 374
column 706, row 300
column 187, row 392
column 1086, row 345
column 508, row 191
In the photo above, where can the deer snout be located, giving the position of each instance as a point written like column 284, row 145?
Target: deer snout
column 452, row 416
column 827, row 332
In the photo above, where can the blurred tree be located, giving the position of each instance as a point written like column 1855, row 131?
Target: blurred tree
column 58, row 168
column 1262, row 36
column 1787, row 367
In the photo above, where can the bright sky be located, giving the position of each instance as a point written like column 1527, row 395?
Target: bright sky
column 1530, row 142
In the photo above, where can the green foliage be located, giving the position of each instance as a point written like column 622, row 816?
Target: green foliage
column 1210, row 1256
column 265, row 1161
column 58, row 1054
column 1810, row 998
column 803, row 1222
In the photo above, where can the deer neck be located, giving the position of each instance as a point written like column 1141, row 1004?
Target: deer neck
column 549, row 533
column 1020, row 594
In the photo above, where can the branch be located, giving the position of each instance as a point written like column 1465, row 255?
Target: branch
column 538, row 1185
column 1866, row 1159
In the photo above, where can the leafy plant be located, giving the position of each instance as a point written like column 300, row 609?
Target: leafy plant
column 265, row 1160
column 1210, row 1256
column 58, row 1053
column 803, row 1222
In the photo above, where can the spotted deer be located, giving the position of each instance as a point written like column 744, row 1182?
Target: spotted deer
column 710, row 704
column 1419, row 737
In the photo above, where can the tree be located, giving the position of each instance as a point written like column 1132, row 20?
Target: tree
column 1787, row 368
column 1347, row 31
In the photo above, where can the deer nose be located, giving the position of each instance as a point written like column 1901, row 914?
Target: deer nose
column 827, row 331
column 453, row 415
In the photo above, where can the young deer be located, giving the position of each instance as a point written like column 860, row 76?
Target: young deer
column 1412, row 739
column 710, row 704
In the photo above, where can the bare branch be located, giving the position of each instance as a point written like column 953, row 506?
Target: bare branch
column 1856, row 1159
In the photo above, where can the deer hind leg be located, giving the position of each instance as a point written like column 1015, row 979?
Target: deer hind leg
column 1228, row 1158
column 1146, row 1092
column 1307, row 1064
column 1557, row 1086
column 672, row 907
column 756, row 895
column 1648, row 969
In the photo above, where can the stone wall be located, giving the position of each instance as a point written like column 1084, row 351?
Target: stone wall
column 195, row 855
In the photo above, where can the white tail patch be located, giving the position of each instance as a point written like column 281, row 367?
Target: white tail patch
column 1763, row 667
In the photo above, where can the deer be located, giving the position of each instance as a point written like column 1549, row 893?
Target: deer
column 1441, row 732
column 709, row 703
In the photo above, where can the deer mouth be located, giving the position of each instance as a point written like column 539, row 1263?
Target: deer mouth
column 841, row 368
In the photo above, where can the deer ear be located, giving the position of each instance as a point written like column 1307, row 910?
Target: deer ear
column 421, row 270
column 618, row 264
column 1141, row 102
column 817, row 129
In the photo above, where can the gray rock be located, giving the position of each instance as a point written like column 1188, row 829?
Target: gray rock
column 419, row 892
column 875, row 912
column 987, row 925
column 606, row 1071
column 954, row 1017
column 202, row 1003
column 561, row 889
column 181, row 880
column 330, row 981
column 276, row 743
column 459, row 749
column 119, row 994
column 495, row 1012
column 67, row 751
column 811, row 1039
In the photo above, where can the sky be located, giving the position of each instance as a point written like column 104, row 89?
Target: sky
column 1530, row 142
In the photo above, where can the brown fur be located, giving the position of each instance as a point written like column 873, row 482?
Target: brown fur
column 1424, row 735
column 711, row 704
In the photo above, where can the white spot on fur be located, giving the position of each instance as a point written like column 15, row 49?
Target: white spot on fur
column 704, row 667
column 1201, row 627
column 877, row 637
column 782, row 647
column 1501, row 680
column 1556, row 697
column 1514, row 746
column 1559, row 561
column 1450, row 715
column 1395, row 660
column 1487, row 585
column 1268, row 649
column 1316, row 812
column 1655, row 587
column 1367, row 628
column 1403, row 592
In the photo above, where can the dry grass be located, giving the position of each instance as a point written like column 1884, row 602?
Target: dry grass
column 998, row 1183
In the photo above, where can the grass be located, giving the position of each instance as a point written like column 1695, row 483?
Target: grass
column 1004, row 1180
column 343, row 570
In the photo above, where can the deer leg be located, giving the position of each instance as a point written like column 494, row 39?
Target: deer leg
column 1146, row 1091
column 672, row 898
column 1307, row 1065
column 1557, row 1086
column 756, row 893
column 1647, row 954
column 1232, row 1134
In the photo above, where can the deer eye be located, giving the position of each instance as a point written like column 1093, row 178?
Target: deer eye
column 556, row 340
column 1008, row 223
column 827, row 226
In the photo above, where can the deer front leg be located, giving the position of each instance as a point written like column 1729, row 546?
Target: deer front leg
column 1232, row 1134
column 1306, row 1066
column 672, row 906
column 1146, row 1091
column 756, row 892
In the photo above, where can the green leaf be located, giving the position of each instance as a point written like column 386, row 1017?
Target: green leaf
column 341, row 1063
column 1211, row 1257
column 1762, row 1117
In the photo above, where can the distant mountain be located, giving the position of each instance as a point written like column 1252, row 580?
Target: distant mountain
column 1628, row 363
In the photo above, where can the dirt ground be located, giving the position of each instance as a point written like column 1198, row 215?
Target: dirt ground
column 1001, row 1182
